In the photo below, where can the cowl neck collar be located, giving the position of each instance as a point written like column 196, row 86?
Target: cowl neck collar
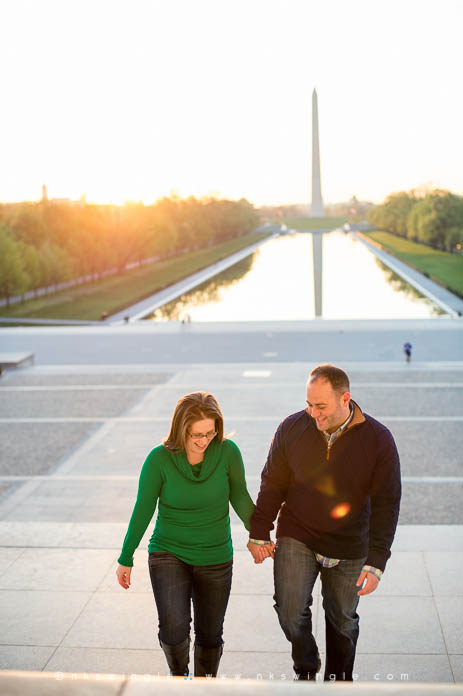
column 208, row 465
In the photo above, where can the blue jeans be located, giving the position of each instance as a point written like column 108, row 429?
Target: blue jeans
column 295, row 572
column 175, row 584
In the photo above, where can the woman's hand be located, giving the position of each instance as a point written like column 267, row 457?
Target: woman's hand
column 260, row 552
column 123, row 576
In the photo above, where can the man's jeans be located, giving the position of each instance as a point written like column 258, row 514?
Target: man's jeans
column 175, row 584
column 295, row 572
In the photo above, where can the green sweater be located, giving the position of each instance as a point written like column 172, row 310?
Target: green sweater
column 193, row 520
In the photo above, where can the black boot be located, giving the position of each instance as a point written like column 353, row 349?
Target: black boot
column 309, row 676
column 207, row 660
column 178, row 657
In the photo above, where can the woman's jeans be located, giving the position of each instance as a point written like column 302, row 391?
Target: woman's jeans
column 175, row 584
column 295, row 571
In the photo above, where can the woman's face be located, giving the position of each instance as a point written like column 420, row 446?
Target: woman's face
column 198, row 437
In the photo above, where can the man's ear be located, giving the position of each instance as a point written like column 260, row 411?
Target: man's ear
column 345, row 398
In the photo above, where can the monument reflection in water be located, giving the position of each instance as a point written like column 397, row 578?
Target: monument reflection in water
column 276, row 283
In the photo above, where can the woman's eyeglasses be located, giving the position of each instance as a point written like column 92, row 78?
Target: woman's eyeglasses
column 199, row 436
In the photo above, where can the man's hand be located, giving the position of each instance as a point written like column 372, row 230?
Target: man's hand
column 123, row 576
column 261, row 551
column 370, row 580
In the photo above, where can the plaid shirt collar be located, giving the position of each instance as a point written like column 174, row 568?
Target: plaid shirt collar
column 330, row 438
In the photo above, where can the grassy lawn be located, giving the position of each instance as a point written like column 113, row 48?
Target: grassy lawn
column 309, row 223
column 113, row 294
column 442, row 266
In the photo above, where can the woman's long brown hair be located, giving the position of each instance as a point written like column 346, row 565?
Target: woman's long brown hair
column 189, row 409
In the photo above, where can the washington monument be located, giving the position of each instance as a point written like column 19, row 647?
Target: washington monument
column 316, row 209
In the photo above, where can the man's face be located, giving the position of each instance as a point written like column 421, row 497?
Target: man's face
column 329, row 408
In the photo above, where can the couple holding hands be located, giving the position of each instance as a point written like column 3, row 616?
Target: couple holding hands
column 332, row 477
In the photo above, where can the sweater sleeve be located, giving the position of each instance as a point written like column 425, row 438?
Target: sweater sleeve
column 239, row 497
column 275, row 480
column 385, row 502
column 149, row 488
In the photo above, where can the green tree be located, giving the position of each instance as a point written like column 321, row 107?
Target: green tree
column 32, row 266
column 122, row 232
column 392, row 215
column 454, row 238
column 196, row 230
column 165, row 222
column 434, row 216
column 56, row 265
column 142, row 233
column 26, row 221
column 13, row 278
column 61, row 220
column 163, row 232
column 90, row 245
column 80, row 239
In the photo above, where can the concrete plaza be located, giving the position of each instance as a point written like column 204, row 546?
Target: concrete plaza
column 76, row 427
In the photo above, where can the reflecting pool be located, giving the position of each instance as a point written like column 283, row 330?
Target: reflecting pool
column 357, row 285
column 276, row 283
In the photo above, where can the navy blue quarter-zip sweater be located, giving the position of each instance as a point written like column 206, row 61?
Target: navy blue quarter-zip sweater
column 342, row 502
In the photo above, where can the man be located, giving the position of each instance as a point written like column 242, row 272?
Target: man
column 333, row 475
column 408, row 351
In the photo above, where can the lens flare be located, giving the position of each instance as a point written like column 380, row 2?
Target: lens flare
column 340, row 510
column 325, row 484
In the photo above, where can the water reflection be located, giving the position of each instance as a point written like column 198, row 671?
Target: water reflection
column 402, row 286
column 355, row 287
column 317, row 253
column 278, row 286
column 205, row 293
column 276, row 282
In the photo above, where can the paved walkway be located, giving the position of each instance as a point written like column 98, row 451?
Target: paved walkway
column 319, row 340
column 73, row 440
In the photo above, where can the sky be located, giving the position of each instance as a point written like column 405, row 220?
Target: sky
column 139, row 99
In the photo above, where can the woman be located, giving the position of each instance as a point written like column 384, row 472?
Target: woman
column 194, row 473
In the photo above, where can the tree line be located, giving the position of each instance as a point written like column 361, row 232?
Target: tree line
column 435, row 218
column 48, row 242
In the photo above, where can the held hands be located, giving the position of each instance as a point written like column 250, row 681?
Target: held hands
column 370, row 580
column 123, row 576
column 260, row 552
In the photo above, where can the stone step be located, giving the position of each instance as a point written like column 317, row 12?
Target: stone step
column 13, row 360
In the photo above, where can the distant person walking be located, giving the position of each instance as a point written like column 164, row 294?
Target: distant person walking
column 408, row 351
column 333, row 478
column 194, row 474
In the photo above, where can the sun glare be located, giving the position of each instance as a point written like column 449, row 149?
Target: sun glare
column 340, row 511
column 129, row 102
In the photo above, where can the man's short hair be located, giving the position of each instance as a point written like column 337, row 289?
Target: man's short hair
column 334, row 375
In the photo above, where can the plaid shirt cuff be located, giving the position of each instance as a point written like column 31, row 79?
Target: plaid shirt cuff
column 375, row 571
